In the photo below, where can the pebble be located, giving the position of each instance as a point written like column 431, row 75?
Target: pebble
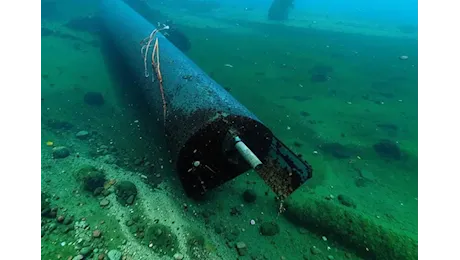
column 78, row 257
column 86, row 251
column 330, row 257
column 315, row 251
column 82, row 135
column 104, row 202
column 138, row 161
column 97, row 233
column 52, row 227
column 241, row 248
column 346, row 201
column 114, row 254
column 60, row 219
column 330, row 197
column 269, row 229
column 130, row 200
column 68, row 220
column 403, row 57
column 159, row 232
column 60, row 152
column 178, row 256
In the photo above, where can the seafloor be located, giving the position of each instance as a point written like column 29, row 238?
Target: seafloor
column 342, row 99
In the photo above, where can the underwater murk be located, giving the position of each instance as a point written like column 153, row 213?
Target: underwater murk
column 273, row 129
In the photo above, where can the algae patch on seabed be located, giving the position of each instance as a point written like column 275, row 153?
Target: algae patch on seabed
column 151, row 234
column 161, row 239
column 198, row 247
column 91, row 178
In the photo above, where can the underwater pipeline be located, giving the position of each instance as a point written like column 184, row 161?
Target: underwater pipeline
column 212, row 138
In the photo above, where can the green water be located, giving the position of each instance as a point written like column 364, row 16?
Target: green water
column 368, row 95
